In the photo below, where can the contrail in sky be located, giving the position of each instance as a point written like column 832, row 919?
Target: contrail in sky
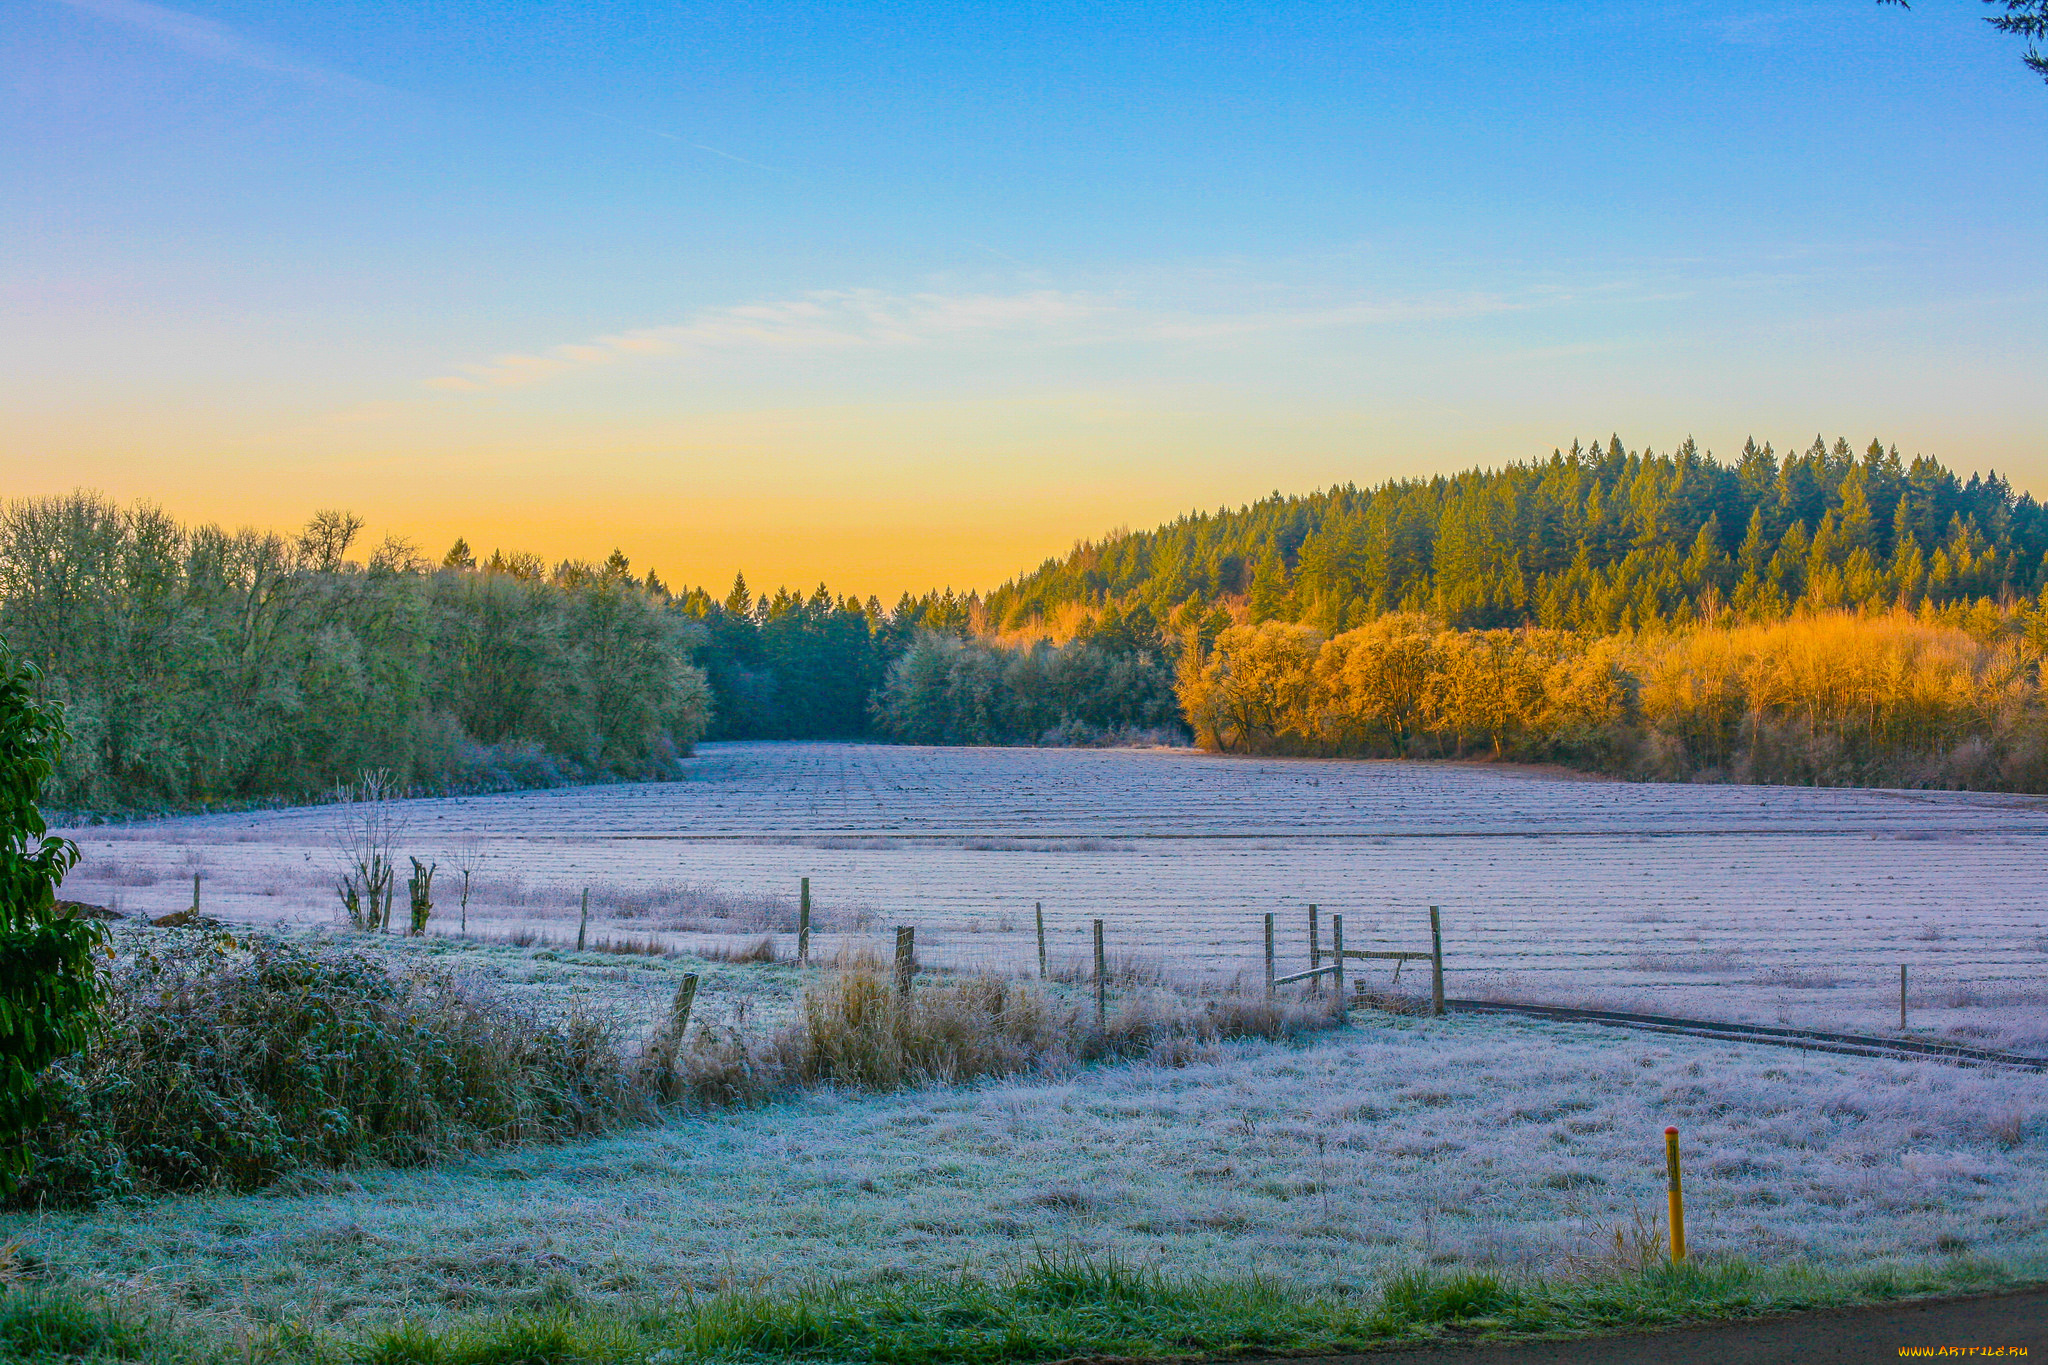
column 698, row 146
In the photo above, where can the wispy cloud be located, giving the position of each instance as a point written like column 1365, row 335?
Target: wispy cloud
column 855, row 320
column 214, row 41
column 839, row 320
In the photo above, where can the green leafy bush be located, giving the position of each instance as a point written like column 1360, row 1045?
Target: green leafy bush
column 49, row 986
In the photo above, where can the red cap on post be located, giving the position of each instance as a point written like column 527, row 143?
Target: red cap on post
column 1671, row 1131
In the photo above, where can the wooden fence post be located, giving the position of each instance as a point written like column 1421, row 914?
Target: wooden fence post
column 1436, row 963
column 1902, row 997
column 1101, row 981
column 583, row 924
column 195, row 895
column 669, row 1041
column 1269, row 954
column 906, row 954
column 679, row 1013
column 1315, row 954
column 803, row 923
column 1038, row 908
column 1337, row 943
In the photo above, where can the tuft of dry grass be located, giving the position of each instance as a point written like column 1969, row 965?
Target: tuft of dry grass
column 762, row 950
column 1625, row 1249
column 2007, row 1127
column 854, row 1028
column 631, row 947
column 1123, row 972
column 1390, row 1002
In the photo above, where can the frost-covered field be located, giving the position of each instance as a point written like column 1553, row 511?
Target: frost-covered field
column 1471, row 1140
column 1463, row 1140
column 1770, row 904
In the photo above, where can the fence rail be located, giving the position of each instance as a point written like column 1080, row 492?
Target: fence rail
column 1339, row 954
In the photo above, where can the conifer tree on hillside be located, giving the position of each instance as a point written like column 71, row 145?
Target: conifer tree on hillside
column 1599, row 538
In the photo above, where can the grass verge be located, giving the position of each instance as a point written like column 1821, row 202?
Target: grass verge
column 1049, row 1309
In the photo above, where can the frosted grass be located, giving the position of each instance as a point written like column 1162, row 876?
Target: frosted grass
column 1771, row 905
column 1462, row 1141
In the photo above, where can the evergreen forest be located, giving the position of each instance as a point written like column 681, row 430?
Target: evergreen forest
column 1599, row 539
column 1821, row 617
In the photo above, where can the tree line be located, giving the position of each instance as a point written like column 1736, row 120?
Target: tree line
column 198, row 665
column 1599, row 539
column 1948, row 698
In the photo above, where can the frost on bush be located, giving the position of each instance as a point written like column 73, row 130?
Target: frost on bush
column 227, row 1062
column 856, row 1029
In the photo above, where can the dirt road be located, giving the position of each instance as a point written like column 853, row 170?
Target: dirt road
column 2016, row 1322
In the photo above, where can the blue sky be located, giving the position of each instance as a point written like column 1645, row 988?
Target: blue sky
column 903, row 296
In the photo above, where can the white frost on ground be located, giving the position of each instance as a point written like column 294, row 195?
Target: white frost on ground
column 1792, row 905
column 1473, row 1141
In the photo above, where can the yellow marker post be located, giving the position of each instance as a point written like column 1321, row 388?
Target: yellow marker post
column 1677, row 1195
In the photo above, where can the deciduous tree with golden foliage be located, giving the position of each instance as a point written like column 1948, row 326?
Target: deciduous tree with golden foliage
column 1948, row 699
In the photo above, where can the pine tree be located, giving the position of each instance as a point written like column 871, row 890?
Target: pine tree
column 1269, row 595
column 739, row 602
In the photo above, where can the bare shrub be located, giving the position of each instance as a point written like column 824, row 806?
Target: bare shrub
column 367, row 840
column 467, row 859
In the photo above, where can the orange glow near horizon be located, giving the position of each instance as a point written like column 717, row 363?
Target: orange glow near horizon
column 869, row 500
